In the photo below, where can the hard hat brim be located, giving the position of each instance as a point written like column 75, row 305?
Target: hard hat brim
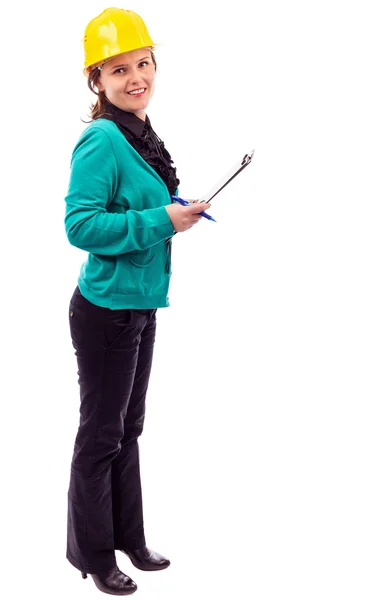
column 87, row 69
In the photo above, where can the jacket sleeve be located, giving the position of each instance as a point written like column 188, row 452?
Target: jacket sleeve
column 92, row 184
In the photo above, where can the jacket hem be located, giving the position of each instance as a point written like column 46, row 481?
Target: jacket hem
column 122, row 301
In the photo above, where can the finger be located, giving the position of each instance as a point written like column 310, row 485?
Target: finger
column 199, row 207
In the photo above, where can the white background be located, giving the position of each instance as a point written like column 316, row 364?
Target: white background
column 258, row 454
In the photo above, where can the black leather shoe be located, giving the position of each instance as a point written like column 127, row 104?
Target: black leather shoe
column 114, row 582
column 146, row 559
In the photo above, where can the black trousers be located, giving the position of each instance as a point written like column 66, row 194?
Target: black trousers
column 114, row 350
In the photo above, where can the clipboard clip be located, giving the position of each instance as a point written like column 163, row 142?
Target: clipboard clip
column 247, row 159
column 237, row 168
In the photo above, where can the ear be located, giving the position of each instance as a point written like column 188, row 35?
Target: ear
column 99, row 85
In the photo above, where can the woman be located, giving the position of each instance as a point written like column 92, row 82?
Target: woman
column 118, row 209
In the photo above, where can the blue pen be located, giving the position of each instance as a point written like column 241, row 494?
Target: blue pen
column 186, row 203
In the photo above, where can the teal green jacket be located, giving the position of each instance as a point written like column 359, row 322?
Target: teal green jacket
column 115, row 210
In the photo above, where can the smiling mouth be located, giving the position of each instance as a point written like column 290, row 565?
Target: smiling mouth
column 138, row 92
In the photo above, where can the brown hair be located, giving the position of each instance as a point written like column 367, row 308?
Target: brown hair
column 98, row 108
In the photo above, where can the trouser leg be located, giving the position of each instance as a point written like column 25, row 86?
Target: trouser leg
column 107, row 347
column 126, row 483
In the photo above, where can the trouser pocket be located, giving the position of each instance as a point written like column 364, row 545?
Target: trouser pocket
column 94, row 326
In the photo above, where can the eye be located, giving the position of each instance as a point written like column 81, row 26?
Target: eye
column 144, row 62
column 119, row 69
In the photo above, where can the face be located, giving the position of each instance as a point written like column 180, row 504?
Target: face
column 126, row 74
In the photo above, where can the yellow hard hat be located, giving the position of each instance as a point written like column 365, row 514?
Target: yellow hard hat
column 113, row 32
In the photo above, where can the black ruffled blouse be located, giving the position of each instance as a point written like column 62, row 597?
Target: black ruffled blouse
column 145, row 141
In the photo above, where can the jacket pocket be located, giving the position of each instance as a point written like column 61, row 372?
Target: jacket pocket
column 141, row 258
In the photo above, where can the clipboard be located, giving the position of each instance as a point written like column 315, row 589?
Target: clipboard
column 236, row 169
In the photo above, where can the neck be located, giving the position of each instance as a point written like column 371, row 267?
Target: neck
column 141, row 115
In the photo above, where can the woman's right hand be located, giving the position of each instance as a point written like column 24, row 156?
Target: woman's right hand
column 184, row 217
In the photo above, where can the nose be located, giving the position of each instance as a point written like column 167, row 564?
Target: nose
column 134, row 75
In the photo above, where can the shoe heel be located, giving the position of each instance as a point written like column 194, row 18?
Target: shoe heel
column 84, row 575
